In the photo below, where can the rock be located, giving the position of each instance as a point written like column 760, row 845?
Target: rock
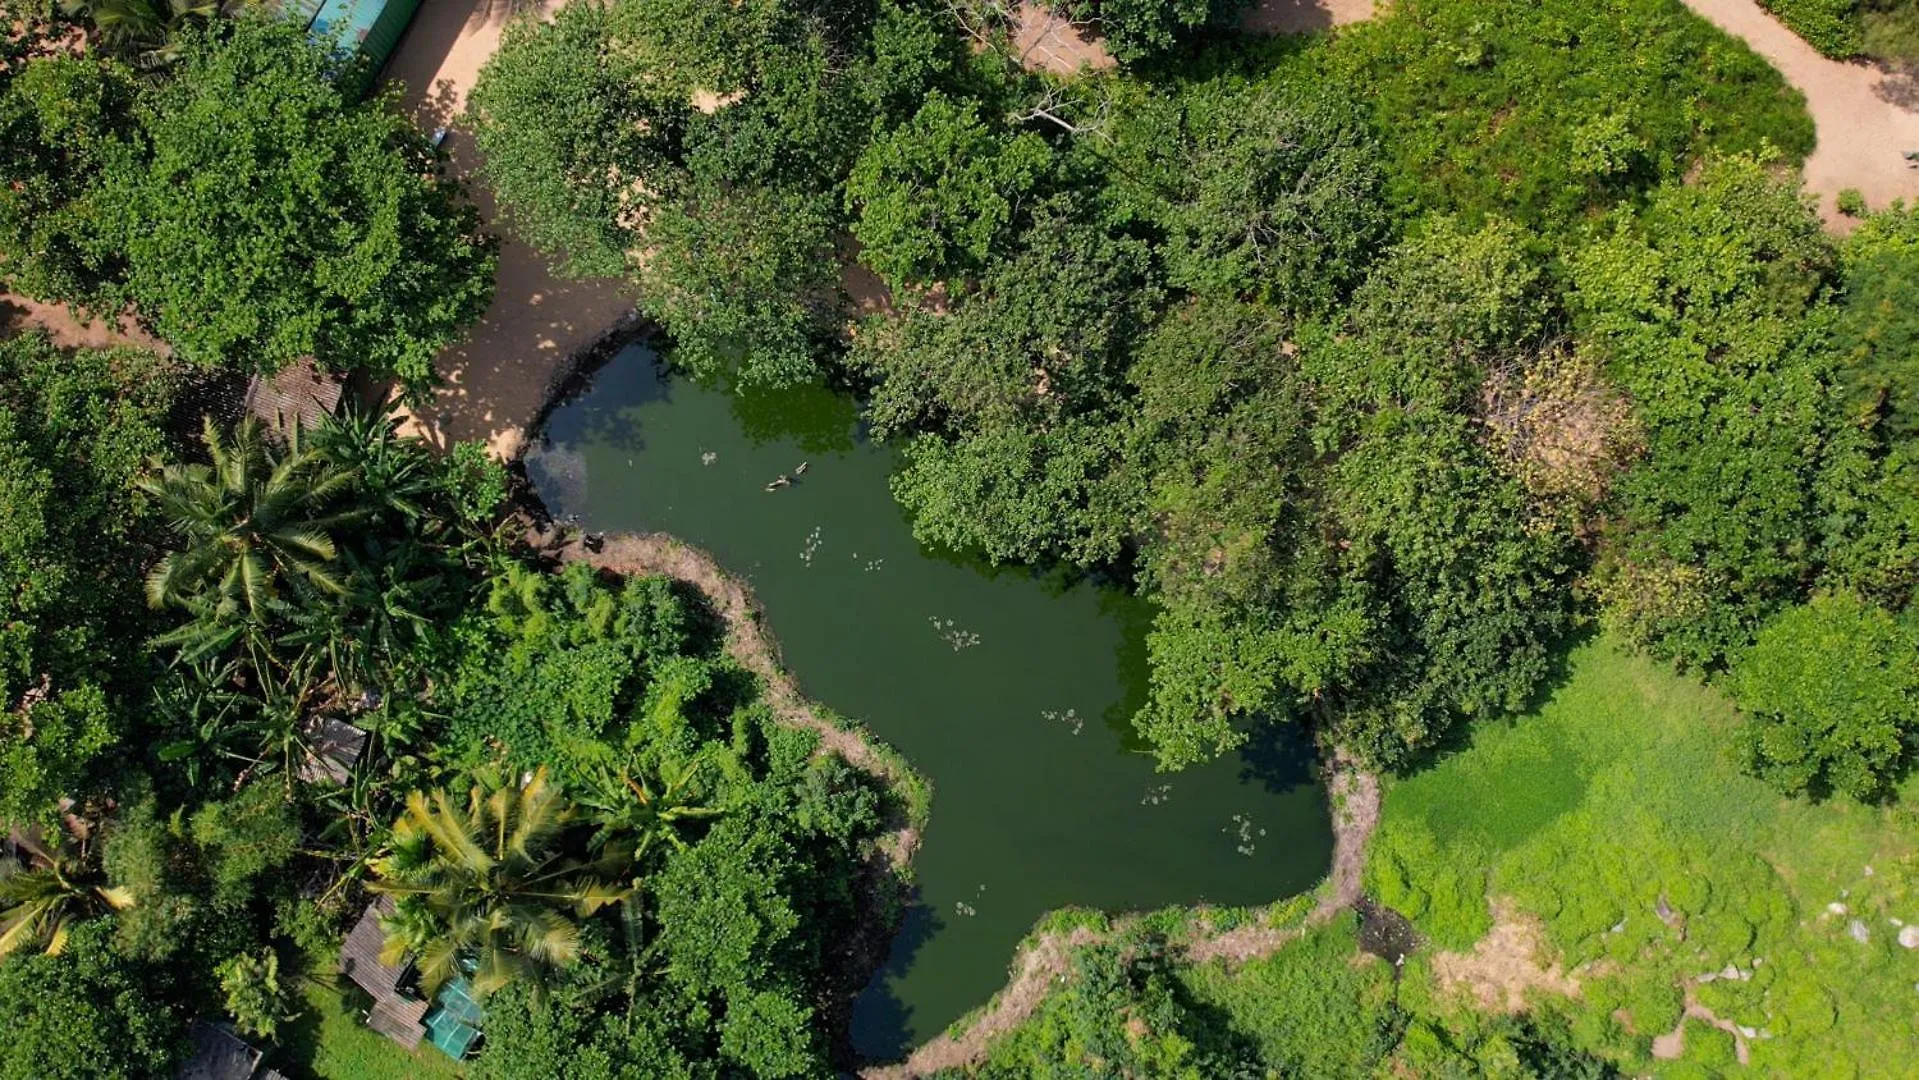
column 1858, row 931
column 1746, row 1031
column 1909, row 937
column 1868, row 870
column 1618, row 927
column 1836, row 908
column 1662, row 909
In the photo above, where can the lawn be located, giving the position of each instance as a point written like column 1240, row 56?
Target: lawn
column 1619, row 797
column 328, row 1042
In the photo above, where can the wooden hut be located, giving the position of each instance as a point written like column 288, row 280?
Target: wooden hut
column 219, row 1054
column 396, row 1011
column 299, row 393
column 333, row 748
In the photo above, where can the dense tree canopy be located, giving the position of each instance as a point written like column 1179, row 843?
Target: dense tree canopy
column 74, row 431
column 249, row 208
column 266, row 217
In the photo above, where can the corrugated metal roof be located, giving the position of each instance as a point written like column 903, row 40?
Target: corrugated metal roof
column 299, row 392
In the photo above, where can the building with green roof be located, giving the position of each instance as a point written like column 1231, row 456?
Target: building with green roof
column 371, row 29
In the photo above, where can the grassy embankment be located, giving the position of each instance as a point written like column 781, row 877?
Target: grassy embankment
column 1578, row 823
column 1621, row 791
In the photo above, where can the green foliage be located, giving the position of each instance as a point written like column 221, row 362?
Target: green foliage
column 74, row 430
column 1447, row 898
column 1544, row 112
column 62, row 120
column 1667, row 862
column 1315, row 1007
column 491, row 885
column 1889, row 32
column 256, row 999
column 1834, row 697
column 1138, row 29
column 743, row 279
column 1703, row 310
column 937, row 195
column 1265, row 192
column 1016, row 396
column 192, row 878
column 264, row 217
column 725, row 131
column 255, row 521
column 556, row 112
column 1123, row 1013
column 87, row 1014
column 1831, row 26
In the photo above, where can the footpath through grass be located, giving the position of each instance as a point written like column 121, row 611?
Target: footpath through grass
column 1617, row 816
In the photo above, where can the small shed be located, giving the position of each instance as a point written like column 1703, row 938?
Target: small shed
column 333, row 748
column 396, row 1012
column 298, row 393
column 219, row 1054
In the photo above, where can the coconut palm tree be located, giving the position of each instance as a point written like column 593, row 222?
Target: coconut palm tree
column 257, row 516
column 41, row 902
column 491, row 885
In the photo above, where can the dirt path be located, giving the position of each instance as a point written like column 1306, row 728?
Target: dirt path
column 1042, row 964
column 17, row 313
column 1861, row 135
column 1304, row 16
column 501, row 374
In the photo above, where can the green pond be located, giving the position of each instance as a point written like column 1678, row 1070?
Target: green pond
column 1011, row 691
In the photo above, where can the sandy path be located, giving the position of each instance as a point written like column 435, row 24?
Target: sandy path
column 1861, row 135
column 496, row 379
column 17, row 313
column 1045, row 41
column 1304, row 16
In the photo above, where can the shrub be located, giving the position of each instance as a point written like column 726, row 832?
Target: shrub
column 1831, row 26
column 1834, row 697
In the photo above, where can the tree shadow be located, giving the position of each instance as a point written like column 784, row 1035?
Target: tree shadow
column 1278, row 755
column 881, row 1028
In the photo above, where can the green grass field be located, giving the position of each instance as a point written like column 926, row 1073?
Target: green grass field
column 328, row 1042
column 1621, row 790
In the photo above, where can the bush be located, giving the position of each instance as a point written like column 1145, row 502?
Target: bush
column 1544, row 111
column 1834, row 697
column 1852, row 203
column 86, row 1014
column 1831, row 26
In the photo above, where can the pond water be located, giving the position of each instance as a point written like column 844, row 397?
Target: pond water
column 1010, row 690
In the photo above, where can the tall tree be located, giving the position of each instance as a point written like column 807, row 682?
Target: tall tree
column 256, row 518
column 266, row 216
column 491, row 883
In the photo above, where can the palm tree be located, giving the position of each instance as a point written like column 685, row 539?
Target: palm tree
column 490, row 884
column 147, row 32
column 255, row 516
column 632, row 810
column 40, row 904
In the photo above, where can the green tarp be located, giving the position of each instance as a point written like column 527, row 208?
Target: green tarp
column 453, row 1023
